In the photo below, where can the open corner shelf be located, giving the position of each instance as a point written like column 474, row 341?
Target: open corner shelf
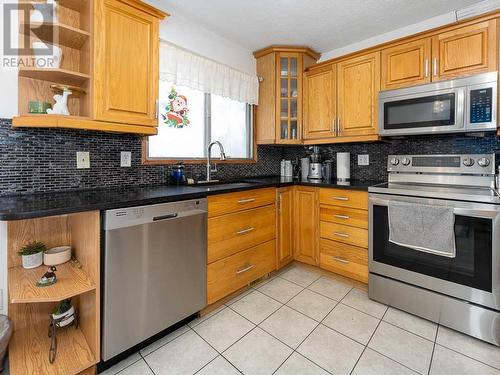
column 78, row 122
column 29, row 351
column 71, row 281
column 62, row 76
column 77, row 5
column 68, row 36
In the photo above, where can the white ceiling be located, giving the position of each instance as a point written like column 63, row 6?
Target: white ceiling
column 323, row 25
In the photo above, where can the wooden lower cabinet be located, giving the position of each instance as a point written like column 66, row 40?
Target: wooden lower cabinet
column 347, row 260
column 234, row 272
column 284, row 224
column 229, row 234
column 344, row 233
column 306, row 219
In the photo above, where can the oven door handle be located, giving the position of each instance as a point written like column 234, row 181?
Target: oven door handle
column 457, row 211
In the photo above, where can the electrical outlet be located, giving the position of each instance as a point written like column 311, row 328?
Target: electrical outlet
column 82, row 160
column 126, row 159
column 363, row 159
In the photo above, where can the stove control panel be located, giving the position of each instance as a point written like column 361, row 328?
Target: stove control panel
column 483, row 164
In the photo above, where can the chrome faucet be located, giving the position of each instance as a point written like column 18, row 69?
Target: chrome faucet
column 209, row 166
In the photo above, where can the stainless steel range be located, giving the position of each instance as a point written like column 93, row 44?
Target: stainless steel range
column 460, row 290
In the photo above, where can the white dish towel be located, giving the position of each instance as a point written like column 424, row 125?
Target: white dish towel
column 420, row 227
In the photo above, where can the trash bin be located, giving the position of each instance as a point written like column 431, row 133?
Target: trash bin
column 5, row 333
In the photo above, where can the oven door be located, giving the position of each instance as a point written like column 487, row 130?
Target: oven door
column 472, row 275
column 439, row 111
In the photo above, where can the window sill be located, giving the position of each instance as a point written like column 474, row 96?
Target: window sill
column 196, row 161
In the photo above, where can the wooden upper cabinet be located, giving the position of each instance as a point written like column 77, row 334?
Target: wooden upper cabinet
column 467, row 50
column 406, row 64
column 358, row 82
column 306, row 216
column 285, row 226
column 279, row 113
column 320, row 106
column 126, row 63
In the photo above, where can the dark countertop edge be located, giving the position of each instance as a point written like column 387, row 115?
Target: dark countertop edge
column 10, row 216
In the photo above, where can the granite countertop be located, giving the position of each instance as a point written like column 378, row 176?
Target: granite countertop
column 27, row 206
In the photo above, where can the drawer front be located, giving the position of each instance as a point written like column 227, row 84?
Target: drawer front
column 344, row 198
column 232, row 233
column 343, row 233
column 344, row 215
column 232, row 273
column 346, row 260
column 239, row 201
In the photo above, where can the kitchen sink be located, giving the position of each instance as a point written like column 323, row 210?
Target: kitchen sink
column 226, row 184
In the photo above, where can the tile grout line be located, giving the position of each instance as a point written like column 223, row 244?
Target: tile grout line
column 433, row 349
column 310, row 333
column 366, row 345
column 147, row 364
column 465, row 355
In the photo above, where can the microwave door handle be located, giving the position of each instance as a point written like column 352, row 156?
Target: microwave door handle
column 486, row 214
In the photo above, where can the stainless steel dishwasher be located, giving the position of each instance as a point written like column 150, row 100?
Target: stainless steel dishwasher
column 155, row 266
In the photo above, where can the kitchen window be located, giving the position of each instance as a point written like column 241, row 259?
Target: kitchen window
column 190, row 119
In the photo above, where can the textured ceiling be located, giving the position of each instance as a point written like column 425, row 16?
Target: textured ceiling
column 321, row 24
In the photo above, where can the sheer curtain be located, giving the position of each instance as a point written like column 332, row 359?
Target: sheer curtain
column 184, row 68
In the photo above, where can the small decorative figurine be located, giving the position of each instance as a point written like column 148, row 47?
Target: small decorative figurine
column 49, row 278
column 61, row 106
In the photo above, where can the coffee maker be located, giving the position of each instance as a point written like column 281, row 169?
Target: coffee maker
column 315, row 165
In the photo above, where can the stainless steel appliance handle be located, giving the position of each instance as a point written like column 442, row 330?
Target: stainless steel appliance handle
column 246, row 230
column 246, row 269
column 458, row 211
column 344, row 217
column 345, row 235
column 248, row 200
column 340, row 260
column 165, row 217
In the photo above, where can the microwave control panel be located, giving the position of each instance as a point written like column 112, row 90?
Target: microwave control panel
column 481, row 101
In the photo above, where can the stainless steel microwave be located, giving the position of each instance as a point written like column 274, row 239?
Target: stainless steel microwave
column 457, row 106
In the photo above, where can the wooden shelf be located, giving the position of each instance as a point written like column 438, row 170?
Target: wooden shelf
column 29, row 352
column 77, row 5
column 63, row 76
column 71, row 281
column 68, row 36
column 77, row 122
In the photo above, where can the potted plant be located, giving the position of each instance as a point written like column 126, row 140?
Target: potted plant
column 64, row 313
column 32, row 254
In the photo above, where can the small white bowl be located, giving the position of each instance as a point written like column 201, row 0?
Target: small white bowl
column 57, row 255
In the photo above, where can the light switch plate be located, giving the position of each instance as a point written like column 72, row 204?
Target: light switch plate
column 125, row 159
column 364, row 159
column 82, row 160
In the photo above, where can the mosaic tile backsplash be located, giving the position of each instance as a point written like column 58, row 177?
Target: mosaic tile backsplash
column 38, row 160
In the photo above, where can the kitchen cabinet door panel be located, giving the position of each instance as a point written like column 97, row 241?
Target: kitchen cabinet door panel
column 464, row 51
column 306, row 216
column 406, row 64
column 358, row 81
column 320, row 104
column 126, row 64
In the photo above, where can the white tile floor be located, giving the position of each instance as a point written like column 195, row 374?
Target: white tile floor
column 305, row 323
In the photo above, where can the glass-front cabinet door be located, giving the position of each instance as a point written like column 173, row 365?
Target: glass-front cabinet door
column 289, row 105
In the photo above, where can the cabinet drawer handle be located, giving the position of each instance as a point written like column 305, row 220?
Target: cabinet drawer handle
column 344, row 217
column 341, row 198
column 246, row 200
column 244, row 231
column 426, row 68
column 246, row 269
column 340, row 260
column 435, row 67
column 345, row 235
